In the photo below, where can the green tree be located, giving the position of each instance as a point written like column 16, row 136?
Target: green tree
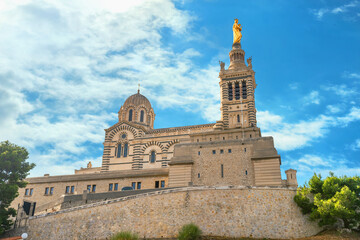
column 330, row 200
column 13, row 171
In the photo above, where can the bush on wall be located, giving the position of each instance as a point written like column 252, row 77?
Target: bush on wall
column 189, row 232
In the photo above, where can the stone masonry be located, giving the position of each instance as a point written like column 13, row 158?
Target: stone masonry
column 230, row 211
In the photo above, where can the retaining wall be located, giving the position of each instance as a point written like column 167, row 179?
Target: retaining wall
column 223, row 211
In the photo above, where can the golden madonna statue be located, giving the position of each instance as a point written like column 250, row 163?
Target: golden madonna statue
column 237, row 31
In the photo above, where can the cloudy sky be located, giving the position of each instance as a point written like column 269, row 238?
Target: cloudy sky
column 66, row 67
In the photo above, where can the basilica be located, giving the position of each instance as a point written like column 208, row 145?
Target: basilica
column 230, row 152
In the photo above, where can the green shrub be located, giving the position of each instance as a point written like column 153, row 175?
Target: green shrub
column 331, row 201
column 125, row 236
column 189, row 232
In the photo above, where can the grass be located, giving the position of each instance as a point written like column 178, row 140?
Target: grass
column 124, row 236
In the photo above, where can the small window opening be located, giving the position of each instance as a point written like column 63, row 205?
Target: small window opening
column 118, row 154
column 116, row 186
column 221, row 151
column 244, row 91
column 72, row 190
column 51, row 190
column 238, row 119
column 245, row 172
column 152, row 156
column 67, row 189
column 93, row 188
column 214, row 151
column 125, row 150
column 237, row 91
column 229, row 150
column 210, row 139
column 111, row 187
column 197, row 140
column 250, row 136
column 157, row 184
column 222, row 170
column 138, row 185
column 198, row 152
column 237, row 137
column 130, row 115
column 223, row 138
column 31, row 191
column 142, row 116
column 244, row 149
column 162, row 183
column 198, row 175
column 133, row 185
column 26, row 192
column 230, row 91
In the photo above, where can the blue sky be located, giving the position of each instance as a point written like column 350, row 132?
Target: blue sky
column 66, row 67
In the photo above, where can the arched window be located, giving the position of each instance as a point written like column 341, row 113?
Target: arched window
column 244, row 92
column 237, row 91
column 152, row 156
column 125, row 150
column 230, row 90
column 142, row 116
column 130, row 115
column 118, row 154
column 238, row 118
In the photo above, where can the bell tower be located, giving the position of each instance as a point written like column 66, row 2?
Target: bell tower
column 237, row 87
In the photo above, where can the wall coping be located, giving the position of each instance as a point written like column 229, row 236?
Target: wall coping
column 160, row 192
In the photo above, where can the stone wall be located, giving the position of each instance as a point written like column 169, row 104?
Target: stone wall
column 246, row 162
column 221, row 163
column 224, row 211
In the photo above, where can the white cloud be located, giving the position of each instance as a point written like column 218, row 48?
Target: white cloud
column 313, row 160
column 356, row 145
column 309, row 164
column 351, row 75
column 333, row 108
column 268, row 121
column 319, row 13
column 64, row 63
column 312, row 98
column 341, row 90
column 290, row 136
column 293, row 86
column 353, row 115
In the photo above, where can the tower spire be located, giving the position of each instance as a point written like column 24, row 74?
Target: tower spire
column 237, row 84
column 138, row 88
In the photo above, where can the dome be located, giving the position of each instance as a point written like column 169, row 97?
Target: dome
column 137, row 109
column 137, row 100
